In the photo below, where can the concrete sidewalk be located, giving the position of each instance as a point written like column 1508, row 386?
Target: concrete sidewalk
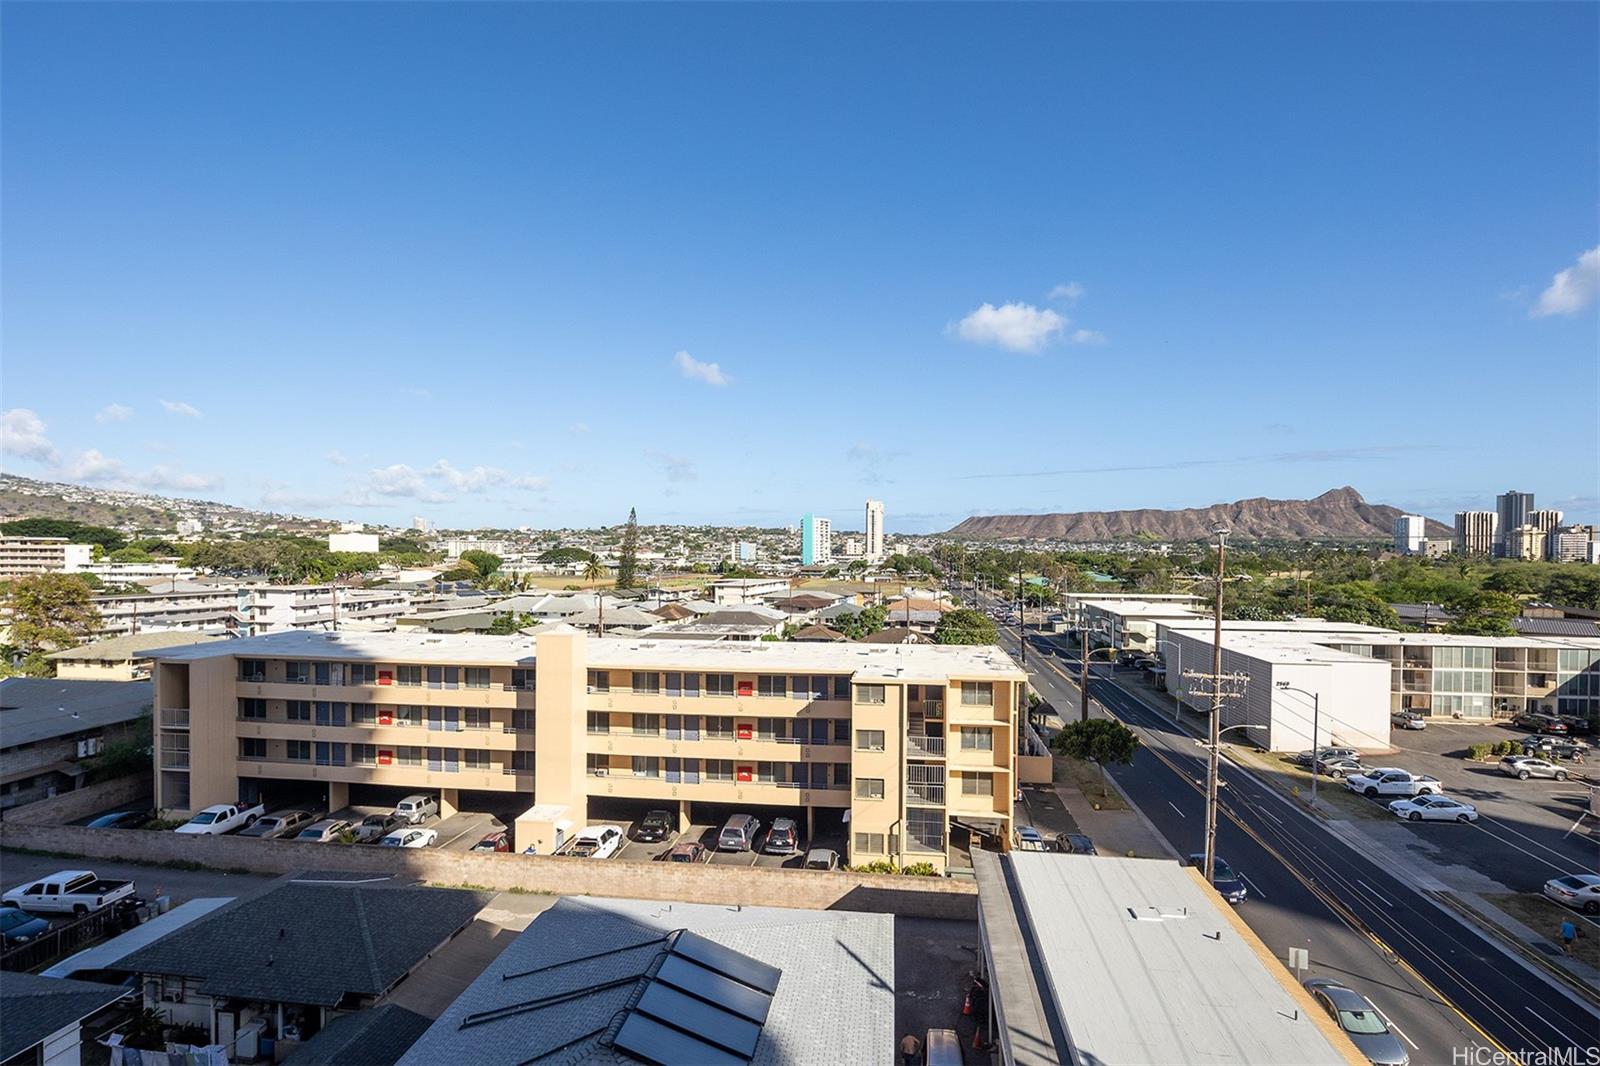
column 1062, row 808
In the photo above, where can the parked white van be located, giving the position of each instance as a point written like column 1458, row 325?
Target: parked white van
column 417, row 808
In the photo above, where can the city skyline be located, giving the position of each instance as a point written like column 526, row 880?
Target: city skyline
column 591, row 285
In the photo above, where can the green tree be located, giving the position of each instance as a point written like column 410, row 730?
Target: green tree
column 863, row 623
column 966, row 626
column 1102, row 741
column 594, row 570
column 49, row 612
column 75, row 532
column 1481, row 624
column 566, row 555
column 485, row 563
column 628, row 558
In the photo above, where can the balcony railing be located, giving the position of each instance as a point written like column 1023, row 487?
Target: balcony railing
column 175, row 760
column 924, row 846
column 925, row 747
column 174, row 718
column 925, row 795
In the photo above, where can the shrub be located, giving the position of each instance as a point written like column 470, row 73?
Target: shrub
column 1506, row 747
column 1478, row 752
column 882, row 866
column 920, row 869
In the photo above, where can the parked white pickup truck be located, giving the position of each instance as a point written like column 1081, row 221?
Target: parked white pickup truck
column 67, row 892
column 220, row 818
column 1392, row 783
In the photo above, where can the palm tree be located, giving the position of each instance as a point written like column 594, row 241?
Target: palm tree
column 594, row 571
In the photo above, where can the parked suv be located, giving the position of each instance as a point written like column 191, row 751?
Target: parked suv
column 783, row 838
column 739, row 834
column 1526, row 766
column 375, row 827
column 414, row 809
column 654, row 827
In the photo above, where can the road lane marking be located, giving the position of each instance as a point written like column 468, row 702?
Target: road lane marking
column 1174, row 806
column 1253, row 887
column 1390, row 1023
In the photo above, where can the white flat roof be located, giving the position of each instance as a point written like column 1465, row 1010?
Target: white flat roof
column 890, row 661
column 1142, row 608
column 1144, row 965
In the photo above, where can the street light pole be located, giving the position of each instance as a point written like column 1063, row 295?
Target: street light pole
column 1216, row 713
column 1022, row 616
column 1316, row 715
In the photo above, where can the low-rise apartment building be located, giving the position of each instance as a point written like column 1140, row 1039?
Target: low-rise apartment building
column 274, row 608
column 1353, row 677
column 894, row 746
column 20, row 556
column 121, row 658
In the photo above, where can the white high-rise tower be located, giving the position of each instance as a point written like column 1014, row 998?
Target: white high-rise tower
column 874, row 529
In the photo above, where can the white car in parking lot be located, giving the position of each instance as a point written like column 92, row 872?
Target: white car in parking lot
column 1434, row 809
column 410, row 838
column 596, row 842
column 1392, row 781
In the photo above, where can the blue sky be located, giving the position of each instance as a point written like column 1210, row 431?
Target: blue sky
column 533, row 265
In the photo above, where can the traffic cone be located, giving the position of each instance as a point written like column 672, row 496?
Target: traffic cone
column 966, row 1005
column 977, row 1038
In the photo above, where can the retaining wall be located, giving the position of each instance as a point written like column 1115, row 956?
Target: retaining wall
column 919, row 897
column 131, row 791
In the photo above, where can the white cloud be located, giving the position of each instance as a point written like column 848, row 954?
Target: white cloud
column 337, row 458
column 1018, row 327
column 674, row 467
column 1573, row 289
column 93, row 465
column 1068, row 293
column 22, row 435
column 1088, row 336
column 690, row 367
column 178, row 407
column 579, row 427
column 439, row 482
column 113, row 412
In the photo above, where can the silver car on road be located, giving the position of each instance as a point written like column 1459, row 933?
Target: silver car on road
column 1363, row 1023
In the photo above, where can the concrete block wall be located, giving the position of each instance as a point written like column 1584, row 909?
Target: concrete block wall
column 919, row 897
column 132, row 791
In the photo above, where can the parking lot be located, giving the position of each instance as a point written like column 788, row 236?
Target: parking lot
column 706, row 835
column 1527, row 831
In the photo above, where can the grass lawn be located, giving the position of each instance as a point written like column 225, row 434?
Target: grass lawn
column 1292, row 779
column 1544, row 918
column 1086, row 778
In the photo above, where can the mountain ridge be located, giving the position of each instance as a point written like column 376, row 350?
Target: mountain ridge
column 1338, row 514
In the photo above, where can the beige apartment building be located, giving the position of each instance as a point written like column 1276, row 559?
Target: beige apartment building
column 893, row 748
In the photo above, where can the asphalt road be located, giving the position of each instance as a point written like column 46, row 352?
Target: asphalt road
column 1442, row 984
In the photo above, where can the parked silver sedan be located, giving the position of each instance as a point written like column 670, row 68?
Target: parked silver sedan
column 1363, row 1023
column 1526, row 766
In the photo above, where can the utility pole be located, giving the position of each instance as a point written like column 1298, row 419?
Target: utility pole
column 1022, row 615
column 1216, row 712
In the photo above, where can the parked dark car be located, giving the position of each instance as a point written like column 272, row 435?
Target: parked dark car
column 1555, row 747
column 1578, row 725
column 1074, row 844
column 1224, row 879
column 687, row 851
column 654, row 827
column 121, row 820
column 19, row 927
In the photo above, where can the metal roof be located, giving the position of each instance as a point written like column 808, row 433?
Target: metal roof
column 41, row 708
column 567, row 989
column 1121, row 961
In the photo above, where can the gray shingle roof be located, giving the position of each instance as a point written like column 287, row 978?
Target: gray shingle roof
column 311, row 943
column 377, row 1036
column 33, row 1007
column 835, row 996
column 39, row 708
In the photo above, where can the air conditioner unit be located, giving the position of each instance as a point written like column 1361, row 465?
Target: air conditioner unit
column 171, row 997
